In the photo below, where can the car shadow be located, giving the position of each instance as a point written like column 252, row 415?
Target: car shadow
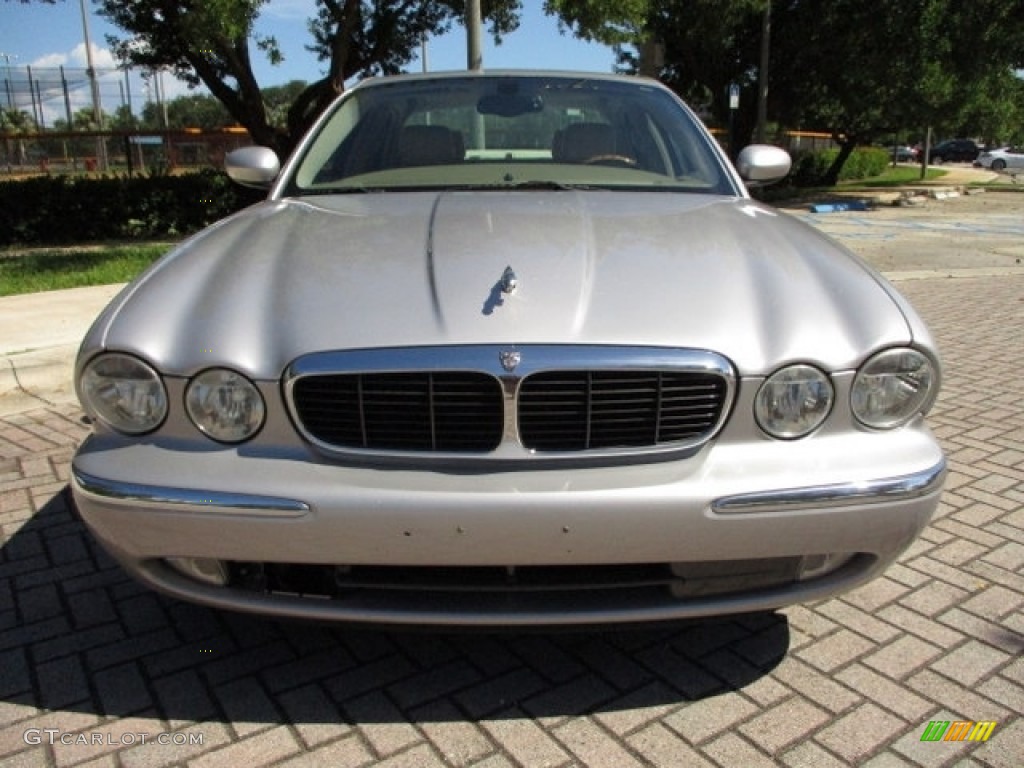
column 79, row 635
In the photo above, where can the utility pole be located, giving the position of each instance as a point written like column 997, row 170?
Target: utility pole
column 474, row 46
column 475, row 63
column 762, row 85
column 97, row 111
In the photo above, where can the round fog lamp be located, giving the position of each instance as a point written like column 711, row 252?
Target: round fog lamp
column 124, row 393
column 225, row 405
column 816, row 566
column 793, row 401
column 892, row 387
column 204, row 569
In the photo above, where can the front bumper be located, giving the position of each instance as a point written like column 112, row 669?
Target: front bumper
column 866, row 496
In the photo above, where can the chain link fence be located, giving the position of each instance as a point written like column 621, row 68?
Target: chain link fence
column 130, row 152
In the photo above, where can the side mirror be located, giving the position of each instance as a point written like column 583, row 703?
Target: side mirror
column 253, row 166
column 763, row 164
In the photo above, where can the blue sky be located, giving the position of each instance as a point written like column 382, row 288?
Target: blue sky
column 44, row 36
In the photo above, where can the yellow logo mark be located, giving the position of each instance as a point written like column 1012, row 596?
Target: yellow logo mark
column 959, row 730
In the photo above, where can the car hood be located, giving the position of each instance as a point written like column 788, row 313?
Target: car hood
column 290, row 277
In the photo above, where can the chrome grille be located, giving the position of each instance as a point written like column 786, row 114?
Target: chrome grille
column 458, row 412
column 559, row 402
column 588, row 410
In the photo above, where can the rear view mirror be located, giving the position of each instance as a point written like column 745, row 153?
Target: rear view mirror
column 763, row 164
column 509, row 104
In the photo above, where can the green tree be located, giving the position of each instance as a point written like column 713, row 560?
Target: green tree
column 16, row 121
column 857, row 68
column 619, row 23
column 192, row 110
column 279, row 99
column 696, row 47
column 612, row 22
column 912, row 63
column 213, row 42
column 122, row 120
column 995, row 109
column 85, row 120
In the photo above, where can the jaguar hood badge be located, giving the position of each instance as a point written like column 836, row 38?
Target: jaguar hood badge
column 509, row 281
column 505, row 286
column 510, row 359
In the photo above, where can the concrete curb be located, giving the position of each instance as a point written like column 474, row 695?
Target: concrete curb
column 37, row 378
column 42, row 332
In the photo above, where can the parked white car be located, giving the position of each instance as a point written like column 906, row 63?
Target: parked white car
column 1001, row 159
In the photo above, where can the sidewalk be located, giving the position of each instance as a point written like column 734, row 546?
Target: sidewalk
column 41, row 334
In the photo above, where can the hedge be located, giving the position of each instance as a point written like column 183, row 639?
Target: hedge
column 809, row 168
column 58, row 210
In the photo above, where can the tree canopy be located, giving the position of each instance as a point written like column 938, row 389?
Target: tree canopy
column 212, row 42
column 860, row 69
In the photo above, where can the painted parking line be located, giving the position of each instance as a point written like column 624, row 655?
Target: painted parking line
column 866, row 227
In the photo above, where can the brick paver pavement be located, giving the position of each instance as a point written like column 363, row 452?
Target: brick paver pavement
column 107, row 671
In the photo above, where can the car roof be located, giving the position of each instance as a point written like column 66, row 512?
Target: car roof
column 498, row 73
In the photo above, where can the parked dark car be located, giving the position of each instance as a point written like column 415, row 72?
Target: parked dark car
column 954, row 150
column 902, row 153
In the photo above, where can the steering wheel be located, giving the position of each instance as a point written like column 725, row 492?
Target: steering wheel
column 610, row 158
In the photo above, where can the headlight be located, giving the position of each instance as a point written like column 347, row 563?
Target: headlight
column 793, row 401
column 124, row 393
column 225, row 405
column 892, row 387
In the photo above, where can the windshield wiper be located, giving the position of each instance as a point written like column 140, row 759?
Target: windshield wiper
column 535, row 184
column 542, row 184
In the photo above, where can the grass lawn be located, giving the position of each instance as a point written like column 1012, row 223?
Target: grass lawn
column 898, row 176
column 52, row 269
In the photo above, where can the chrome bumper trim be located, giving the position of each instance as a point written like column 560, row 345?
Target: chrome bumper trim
column 159, row 496
column 841, row 494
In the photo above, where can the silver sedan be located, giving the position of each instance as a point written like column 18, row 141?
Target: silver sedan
column 1002, row 159
column 508, row 349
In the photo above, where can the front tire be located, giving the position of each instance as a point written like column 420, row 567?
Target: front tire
column 998, row 165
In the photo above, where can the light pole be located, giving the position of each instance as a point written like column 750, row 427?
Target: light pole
column 97, row 112
column 9, row 82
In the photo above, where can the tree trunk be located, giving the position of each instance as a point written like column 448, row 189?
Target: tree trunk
column 846, row 147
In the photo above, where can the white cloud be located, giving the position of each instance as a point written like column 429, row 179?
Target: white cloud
column 48, row 91
column 290, row 10
column 51, row 60
column 102, row 58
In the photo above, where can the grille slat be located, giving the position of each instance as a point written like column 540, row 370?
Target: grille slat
column 587, row 410
column 402, row 411
column 465, row 411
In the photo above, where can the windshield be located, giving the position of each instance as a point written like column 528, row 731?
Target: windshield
column 514, row 131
